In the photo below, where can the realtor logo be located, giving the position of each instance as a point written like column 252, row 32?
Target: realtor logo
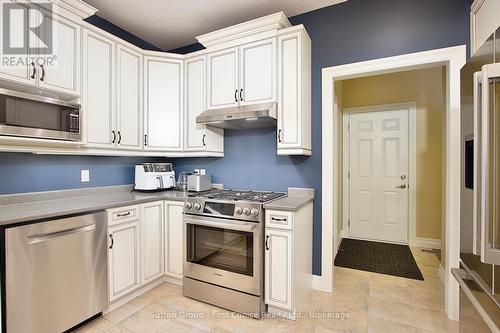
column 27, row 30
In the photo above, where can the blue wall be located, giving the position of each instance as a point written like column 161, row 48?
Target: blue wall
column 353, row 31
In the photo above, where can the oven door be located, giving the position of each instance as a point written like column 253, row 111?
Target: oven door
column 224, row 252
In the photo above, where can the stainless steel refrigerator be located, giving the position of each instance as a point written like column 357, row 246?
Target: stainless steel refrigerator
column 479, row 273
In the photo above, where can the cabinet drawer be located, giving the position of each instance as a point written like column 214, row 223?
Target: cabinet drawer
column 279, row 219
column 123, row 214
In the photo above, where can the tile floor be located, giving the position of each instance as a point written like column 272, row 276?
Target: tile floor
column 361, row 302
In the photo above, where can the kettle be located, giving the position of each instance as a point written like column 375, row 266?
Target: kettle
column 182, row 181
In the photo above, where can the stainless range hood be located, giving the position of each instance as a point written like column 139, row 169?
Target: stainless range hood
column 249, row 116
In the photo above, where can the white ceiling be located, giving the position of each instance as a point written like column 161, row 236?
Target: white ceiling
column 169, row 24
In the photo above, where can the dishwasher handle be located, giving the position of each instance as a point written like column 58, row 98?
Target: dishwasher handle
column 30, row 240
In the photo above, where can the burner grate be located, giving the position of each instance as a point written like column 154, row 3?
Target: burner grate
column 235, row 195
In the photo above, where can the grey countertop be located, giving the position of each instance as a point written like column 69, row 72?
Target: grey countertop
column 43, row 206
column 19, row 208
column 289, row 203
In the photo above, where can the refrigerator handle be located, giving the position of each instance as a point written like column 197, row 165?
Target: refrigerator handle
column 476, row 207
column 489, row 254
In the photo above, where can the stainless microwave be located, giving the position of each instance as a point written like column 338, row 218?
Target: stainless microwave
column 33, row 116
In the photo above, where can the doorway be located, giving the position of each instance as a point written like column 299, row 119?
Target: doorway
column 377, row 158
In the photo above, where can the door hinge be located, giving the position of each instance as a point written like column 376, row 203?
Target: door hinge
column 348, row 127
column 348, row 222
column 348, row 174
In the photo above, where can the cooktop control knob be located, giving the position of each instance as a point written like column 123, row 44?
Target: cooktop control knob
column 197, row 206
column 238, row 210
column 189, row 205
column 246, row 211
column 255, row 212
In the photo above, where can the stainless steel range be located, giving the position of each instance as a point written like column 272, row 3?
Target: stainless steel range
column 224, row 252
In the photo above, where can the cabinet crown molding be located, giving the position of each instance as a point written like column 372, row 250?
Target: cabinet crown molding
column 78, row 7
column 274, row 21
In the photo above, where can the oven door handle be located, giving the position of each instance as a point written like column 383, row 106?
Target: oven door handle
column 233, row 225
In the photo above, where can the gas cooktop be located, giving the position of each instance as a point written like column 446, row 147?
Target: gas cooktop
column 237, row 195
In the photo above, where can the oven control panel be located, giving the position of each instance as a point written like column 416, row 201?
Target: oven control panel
column 237, row 210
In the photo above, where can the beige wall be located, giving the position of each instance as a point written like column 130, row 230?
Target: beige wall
column 427, row 88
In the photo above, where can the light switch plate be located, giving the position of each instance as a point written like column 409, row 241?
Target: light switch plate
column 85, row 176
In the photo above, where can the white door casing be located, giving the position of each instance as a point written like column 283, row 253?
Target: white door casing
column 378, row 164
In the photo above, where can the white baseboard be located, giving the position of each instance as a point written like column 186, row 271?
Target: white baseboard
column 441, row 273
column 337, row 243
column 428, row 243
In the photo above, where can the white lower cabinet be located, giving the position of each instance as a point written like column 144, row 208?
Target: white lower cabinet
column 278, row 271
column 145, row 243
column 151, row 226
column 288, row 260
column 123, row 259
column 174, row 241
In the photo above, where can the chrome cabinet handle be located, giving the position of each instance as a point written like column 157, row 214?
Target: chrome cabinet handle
column 43, row 73
column 114, row 137
column 34, row 70
column 145, row 139
column 112, row 241
column 267, row 242
column 279, row 136
column 241, row 97
column 236, row 95
column 279, row 219
column 203, row 140
column 122, row 215
column 403, row 186
column 119, row 137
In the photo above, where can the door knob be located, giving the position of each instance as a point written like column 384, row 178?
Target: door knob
column 403, row 186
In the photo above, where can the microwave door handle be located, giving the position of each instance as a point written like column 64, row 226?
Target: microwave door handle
column 476, row 215
column 489, row 254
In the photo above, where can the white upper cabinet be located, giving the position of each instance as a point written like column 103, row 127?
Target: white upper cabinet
column 198, row 137
column 484, row 20
column 222, row 78
column 62, row 74
column 21, row 72
column 129, row 98
column 98, row 90
column 258, row 72
column 294, row 92
column 163, row 104
column 242, row 75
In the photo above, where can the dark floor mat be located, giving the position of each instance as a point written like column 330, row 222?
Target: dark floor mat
column 383, row 258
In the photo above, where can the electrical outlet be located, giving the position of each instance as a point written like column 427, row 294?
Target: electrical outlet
column 202, row 171
column 85, row 176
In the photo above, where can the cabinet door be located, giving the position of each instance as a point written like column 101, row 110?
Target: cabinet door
column 128, row 99
column 195, row 103
column 152, row 241
column 163, row 104
column 174, row 240
column 62, row 72
column 258, row 72
column 15, row 70
column 98, row 86
column 278, row 269
column 222, row 79
column 123, row 259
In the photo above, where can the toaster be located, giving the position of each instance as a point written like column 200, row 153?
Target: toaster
column 199, row 183
column 154, row 177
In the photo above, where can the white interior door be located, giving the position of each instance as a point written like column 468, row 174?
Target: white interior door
column 378, row 163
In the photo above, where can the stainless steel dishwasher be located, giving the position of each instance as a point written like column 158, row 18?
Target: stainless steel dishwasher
column 56, row 274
